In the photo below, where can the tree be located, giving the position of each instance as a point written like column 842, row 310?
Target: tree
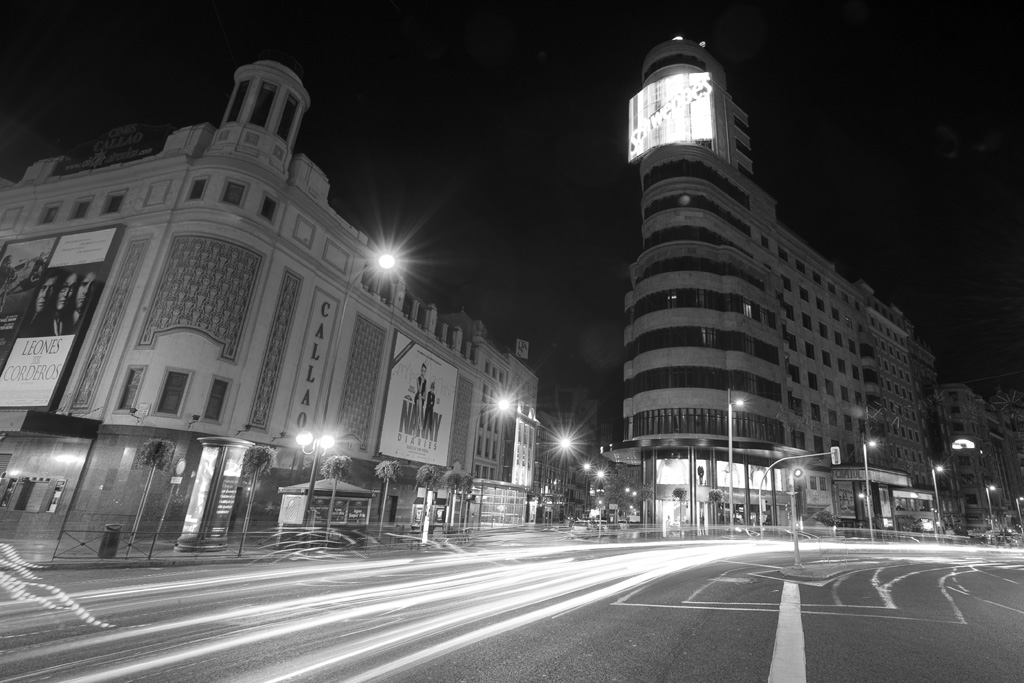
column 156, row 455
column 715, row 497
column 826, row 517
column 465, row 488
column 388, row 471
column 336, row 468
column 454, row 482
column 256, row 462
column 428, row 476
column 679, row 493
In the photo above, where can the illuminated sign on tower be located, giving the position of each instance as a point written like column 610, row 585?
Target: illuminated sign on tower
column 675, row 109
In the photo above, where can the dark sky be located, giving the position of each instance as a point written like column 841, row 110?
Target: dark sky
column 488, row 140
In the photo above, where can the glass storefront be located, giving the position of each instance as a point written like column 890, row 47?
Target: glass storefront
column 694, row 472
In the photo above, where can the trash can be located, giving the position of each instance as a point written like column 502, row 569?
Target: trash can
column 111, row 539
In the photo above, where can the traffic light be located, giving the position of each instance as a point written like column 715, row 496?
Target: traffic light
column 799, row 497
column 837, row 458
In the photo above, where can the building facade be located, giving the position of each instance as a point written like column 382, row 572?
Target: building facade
column 729, row 306
column 194, row 285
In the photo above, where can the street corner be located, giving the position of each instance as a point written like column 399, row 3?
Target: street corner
column 816, row 571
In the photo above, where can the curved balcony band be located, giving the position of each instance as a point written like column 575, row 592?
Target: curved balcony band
column 707, row 299
column 694, row 377
column 702, row 337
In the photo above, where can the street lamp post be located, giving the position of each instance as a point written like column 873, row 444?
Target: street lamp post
column 935, row 484
column 732, row 511
column 991, row 518
column 318, row 446
column 1020, row 519
column 867, row 490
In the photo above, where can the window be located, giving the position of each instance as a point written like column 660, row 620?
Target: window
column 813, row 481
column 833, row 418
column 844, row 393
column 804, row 296
column 856, row 371
column 268, row 209
column 846, row 298
column 801, row 268
column 812, row 380
column 835, row 314
column 838, row 339
column 284, row 128
column 806, row 319
column 794, row 373
column 81, row 208
column 132, row 382
column 847, row 423
column 821, row 480
column 764, row 241
column 215, row 402
column 820, row 304
column 783, row 255
column 830, row 387
column 809, row 350
column 787, row 284
column 198, row 188
column 816, row 412
column 233, row 193
column 816, row 278
column 264, row 100
column 49, row 214
column 841, row 364
column 851, row 345
column 113, row 204
column 173, row 393
column 819, row 445
column 857, row 398
column 823, row 330
column 826, row 359
column 831, row 289
column 236, row 103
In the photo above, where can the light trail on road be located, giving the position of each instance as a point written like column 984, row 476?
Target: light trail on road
column 425, row 608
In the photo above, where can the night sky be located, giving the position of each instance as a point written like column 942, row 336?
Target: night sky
column 487, row 141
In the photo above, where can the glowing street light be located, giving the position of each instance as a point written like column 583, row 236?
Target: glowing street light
column 991, row 517
column 867, row 488
column 935, row 484
column 737, row 402
column 317, row 447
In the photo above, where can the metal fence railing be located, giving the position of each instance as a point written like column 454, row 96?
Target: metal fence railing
column 113, row 542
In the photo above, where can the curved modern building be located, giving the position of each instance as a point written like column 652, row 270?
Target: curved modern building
column 709, row 329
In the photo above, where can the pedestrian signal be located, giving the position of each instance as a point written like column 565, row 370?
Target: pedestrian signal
column 837, row 458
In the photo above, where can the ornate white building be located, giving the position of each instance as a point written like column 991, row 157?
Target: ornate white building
column 216, row 295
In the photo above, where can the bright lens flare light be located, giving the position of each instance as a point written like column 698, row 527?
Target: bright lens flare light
column 504, row 404
column 565, row 443
column 386, row 261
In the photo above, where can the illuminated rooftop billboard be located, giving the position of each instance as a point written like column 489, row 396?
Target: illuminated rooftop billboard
column 675, row 109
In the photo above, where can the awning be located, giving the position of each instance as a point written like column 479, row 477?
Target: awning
column 323, row 487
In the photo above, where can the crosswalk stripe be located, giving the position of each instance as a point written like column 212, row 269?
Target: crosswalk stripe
column 789, row 664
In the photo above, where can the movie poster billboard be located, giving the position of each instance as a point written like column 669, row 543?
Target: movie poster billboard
column 419, row 405
column 675, row 109
column 846, row 502
column 48, row 293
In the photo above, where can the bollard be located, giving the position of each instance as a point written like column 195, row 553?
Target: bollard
column 111, row 539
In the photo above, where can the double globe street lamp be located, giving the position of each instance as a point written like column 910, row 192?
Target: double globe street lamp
column 317, row 447
column 732, row 510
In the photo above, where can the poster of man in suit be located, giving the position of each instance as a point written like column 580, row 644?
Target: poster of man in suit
column 418, row 408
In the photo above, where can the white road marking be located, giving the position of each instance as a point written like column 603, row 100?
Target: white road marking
column 789, row 664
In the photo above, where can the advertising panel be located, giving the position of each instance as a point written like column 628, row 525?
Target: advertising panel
column 676, row 109
column 48, row 293
column 119, row 145
column 846, row 503
column 419, row 404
